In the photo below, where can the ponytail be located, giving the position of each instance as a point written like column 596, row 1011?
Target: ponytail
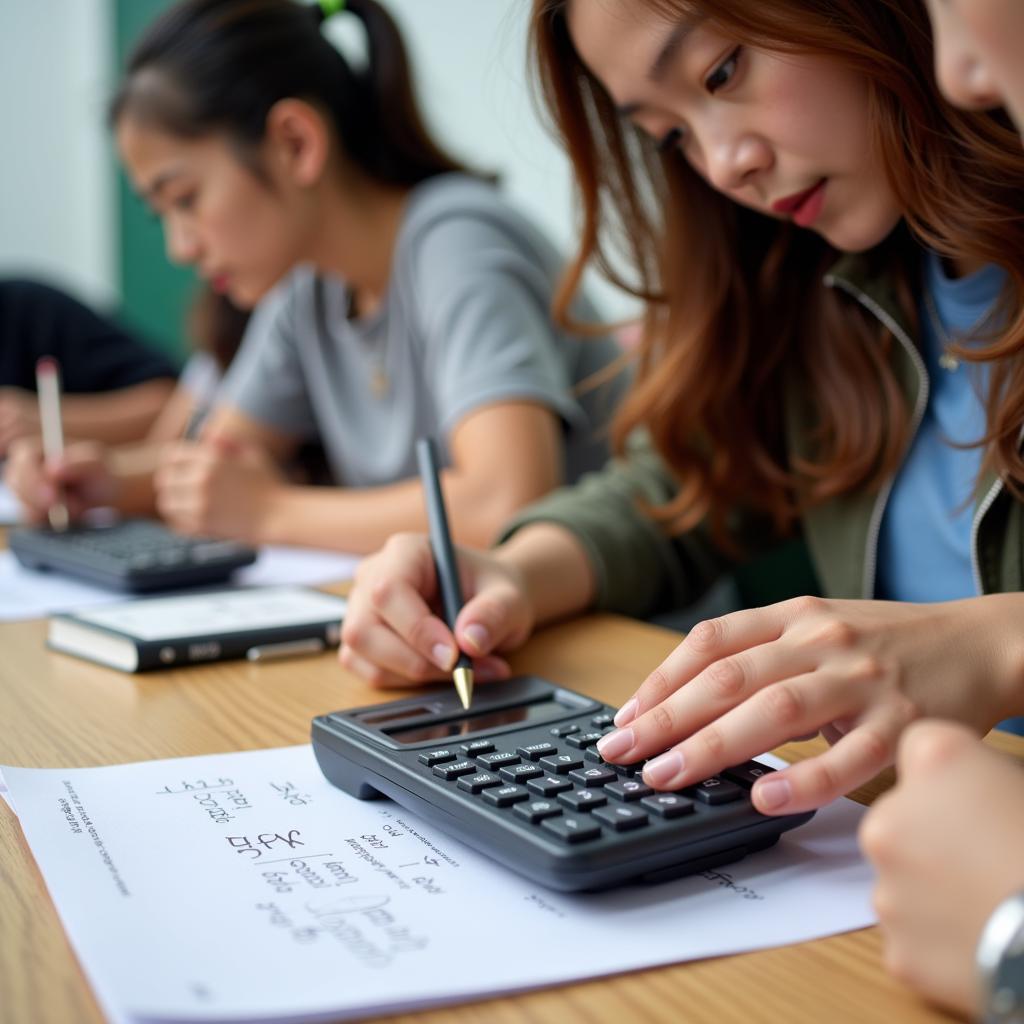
column 220, row 66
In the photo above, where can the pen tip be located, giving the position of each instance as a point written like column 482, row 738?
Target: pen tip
column 464, row 685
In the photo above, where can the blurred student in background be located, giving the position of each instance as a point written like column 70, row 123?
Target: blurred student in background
column 115, row 385
column 396, row 294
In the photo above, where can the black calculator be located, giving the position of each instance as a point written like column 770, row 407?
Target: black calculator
column 519, row 778
column 136, row 555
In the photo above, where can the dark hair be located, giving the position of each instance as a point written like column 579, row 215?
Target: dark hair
column 220, row 66
column 216, row 326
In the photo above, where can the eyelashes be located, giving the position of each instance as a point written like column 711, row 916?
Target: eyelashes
column 723, row 74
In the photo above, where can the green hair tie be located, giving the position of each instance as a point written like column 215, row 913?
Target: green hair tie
column 331, row 7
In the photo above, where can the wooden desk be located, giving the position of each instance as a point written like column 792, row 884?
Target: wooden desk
column 58, row 711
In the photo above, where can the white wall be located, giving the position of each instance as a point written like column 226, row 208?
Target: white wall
column 57, row 194
column 471, row 69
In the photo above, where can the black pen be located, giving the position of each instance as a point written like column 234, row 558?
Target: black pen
column 444, row 559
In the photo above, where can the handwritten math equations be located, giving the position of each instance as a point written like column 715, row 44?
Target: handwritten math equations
column 244, row 886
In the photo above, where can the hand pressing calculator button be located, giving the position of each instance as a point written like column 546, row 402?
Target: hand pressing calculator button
column 504, row 779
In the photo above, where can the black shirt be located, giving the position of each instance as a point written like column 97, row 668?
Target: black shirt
column 95, row 354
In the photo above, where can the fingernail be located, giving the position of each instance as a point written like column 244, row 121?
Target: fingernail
column 662, row 770
column 478, row 638
column 773, row 794
column 489, row 673
column 615, row 744
column 443, row 655
column 627, row 712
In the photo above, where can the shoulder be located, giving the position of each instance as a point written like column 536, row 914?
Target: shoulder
column 457, row 224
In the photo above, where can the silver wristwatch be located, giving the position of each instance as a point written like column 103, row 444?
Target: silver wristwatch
column 1000, row 960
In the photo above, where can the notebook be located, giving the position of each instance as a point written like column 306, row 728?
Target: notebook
column 257, row 623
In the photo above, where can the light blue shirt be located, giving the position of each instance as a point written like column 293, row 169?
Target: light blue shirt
column 924, row 548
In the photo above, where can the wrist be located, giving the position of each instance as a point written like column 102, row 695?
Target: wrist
column 999, row 958
column 999, row 626
column 275, row 519
column 553, row 569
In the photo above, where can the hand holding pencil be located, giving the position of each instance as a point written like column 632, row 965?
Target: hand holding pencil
column 48, row 390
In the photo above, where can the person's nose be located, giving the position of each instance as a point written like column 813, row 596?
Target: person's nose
column 962, row 75
column 182, row 242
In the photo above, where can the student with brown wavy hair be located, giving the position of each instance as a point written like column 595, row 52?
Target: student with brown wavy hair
column 833, row 259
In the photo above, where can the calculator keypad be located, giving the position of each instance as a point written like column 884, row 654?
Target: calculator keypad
column 537, row 810
column 549, row 785
column 561, row 764
column 621, row 817
column 453, row 771
column 572, row 829
column 564, row 787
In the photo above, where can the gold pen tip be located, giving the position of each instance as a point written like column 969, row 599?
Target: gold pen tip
column 464, row 685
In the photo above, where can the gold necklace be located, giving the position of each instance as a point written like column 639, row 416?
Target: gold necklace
column 380, row 380
column 947, row 360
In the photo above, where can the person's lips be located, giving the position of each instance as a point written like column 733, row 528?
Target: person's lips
column 804, row 207
column 219, row 282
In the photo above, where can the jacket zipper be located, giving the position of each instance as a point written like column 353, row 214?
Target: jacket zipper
column 875, row 526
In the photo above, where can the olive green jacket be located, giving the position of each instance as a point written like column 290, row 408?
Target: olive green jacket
column 640, row 570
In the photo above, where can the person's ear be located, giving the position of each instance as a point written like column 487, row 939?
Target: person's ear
column 296, row 142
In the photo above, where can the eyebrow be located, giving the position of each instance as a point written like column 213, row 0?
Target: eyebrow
column 666, row 54
column 151, row 193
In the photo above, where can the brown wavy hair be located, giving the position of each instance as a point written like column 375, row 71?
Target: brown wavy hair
column 737, row 317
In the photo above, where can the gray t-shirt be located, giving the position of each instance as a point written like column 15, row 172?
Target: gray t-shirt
column 465, row 323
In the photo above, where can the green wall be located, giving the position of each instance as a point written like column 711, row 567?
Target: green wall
column 154, row 293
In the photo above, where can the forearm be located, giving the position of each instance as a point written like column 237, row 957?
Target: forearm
column 556, row 572
column 998, row 619
column 360, row 520
column 115, row 417
column 133, row 467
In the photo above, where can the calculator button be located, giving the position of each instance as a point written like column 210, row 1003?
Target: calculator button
column 748, row 773
column 433, row 757
column 549, row 785
column 562, row 764
column 593, row 754
column 593, row 776
column 714, row 791
column 585, row 739
column 583, row 799
column 602, row 721
column 521, row 772
column 564, row 730
column 506, row 796
column 454, row 771
column 498, row 760
column 629, row 770
column 628, row 789
column 538, row 810
column 479, row 782
column 533, row 751
column 572, row 830
column 621, row 818
column 668, row 805
column 477, row 747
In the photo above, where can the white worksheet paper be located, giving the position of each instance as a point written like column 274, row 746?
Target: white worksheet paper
column 10, row 510
column 244, row 886
column 29, row 594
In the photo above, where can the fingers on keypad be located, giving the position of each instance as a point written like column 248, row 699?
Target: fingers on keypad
column 563, row 787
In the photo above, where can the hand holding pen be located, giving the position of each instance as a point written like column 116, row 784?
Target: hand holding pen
column 444, row 560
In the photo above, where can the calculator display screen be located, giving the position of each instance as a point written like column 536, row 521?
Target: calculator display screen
column 526, row 714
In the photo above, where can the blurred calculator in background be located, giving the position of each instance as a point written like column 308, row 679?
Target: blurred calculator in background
column 135, row 555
